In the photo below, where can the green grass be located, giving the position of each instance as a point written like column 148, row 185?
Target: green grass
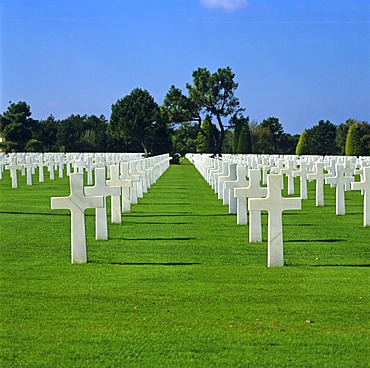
column 178, row 284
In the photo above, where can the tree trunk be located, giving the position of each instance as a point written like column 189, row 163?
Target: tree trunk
column 218, row 148
column 145, row 149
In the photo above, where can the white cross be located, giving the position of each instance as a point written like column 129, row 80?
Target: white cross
column 101, row 189
column 302, row 173
column 13, row 167
column 240, row 182
column 77, row 203
column 288, row 171
column 319, row 175
column 115, row 181
column 253, row 190
column 29, row 166
column 127, row 190
column 339, row 181
column 223, row 192
column 275, row 204
column 365, row 187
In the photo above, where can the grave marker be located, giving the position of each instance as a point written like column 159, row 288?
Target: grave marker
column 364, row 186
column 274, row 204
column 77, row 203
column 101, row 189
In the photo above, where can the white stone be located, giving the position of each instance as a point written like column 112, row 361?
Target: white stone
column 339, row 181
column 240, row 182
column 101, row 189
column 274, row 204
column 13, row 167
column 364, row 186
column 253, row 190
column 319, row 175
column 77, row 203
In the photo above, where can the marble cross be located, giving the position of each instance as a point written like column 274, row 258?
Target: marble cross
column 240, row 182
column 364, row 186
column 253, row 190
column 340, row 180
column 274, row 204
column 319, row 175
column 13, row 167
column 115, row 181
column 101, row 189
column 77, row 202
column 302, row 174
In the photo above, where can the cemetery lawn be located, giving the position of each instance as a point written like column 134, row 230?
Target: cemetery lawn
column 178, row 284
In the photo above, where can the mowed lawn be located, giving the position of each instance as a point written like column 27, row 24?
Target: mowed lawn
column 178, row 284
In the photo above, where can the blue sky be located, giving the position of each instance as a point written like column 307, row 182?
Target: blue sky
column 298, row 60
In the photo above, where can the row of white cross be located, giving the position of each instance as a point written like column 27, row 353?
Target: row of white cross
column 130, row 177
column 237, row 178
column 27, row 163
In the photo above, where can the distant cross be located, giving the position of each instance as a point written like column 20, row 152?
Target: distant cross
column 319, row 175
column 29, row 166
column 302, row 174
column 253, row 190
column 77, row 203
column 41, row 166
column 240, row 182
column 127, row 190
column 137, row 184
column 127, row 174
column 364, row 186
column 115, row 181
column 274, row 204
column 101, row 189
column 288, row 171
column 13, row 167
column 223, row 192
column 339, row 181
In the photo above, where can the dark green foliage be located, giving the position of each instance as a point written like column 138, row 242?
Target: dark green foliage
column 82, row 134
column 353, row 142
column 207, row 137
column 17, row 127
column 184, row 138
column 245, row 141
column 214, row 93
column 318, row 140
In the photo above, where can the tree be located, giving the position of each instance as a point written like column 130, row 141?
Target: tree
column 262, row 140
column 46, row 133
column 133, row 118
column 318, row 140
column 207, row 138
column 245, row 140
column 180, row 108
column 237, row 122
column 301, row 148
column 16, row 126
column 321, row 139
column 276, row 130
column 353, row 142
column 214, row 94
column 184, row 138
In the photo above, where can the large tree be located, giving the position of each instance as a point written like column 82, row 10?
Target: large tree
column 133, row 119
column 214, row 93
column 16, row 126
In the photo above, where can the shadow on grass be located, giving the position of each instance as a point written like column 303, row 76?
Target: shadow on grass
column 315, row 241
column 151, row 239
column 181, row 214
column 341, row 265
column 148, row 263
column 39, row 213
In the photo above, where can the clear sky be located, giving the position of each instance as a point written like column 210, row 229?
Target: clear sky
column 298, row 60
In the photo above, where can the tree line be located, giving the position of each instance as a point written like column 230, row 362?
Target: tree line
column 208, row 118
